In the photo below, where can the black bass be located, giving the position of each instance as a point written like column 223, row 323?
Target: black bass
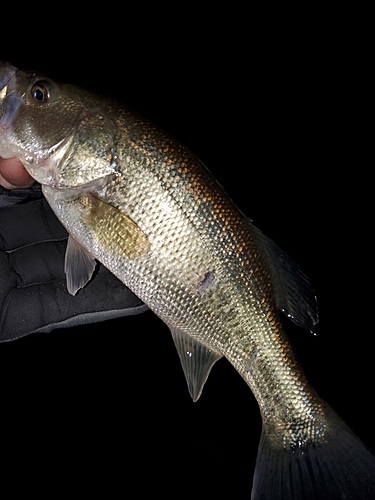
column 143, row 204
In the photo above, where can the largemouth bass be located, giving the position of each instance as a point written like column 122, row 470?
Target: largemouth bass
column 143, row 204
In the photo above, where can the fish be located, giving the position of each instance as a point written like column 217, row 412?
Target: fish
column 143, row 204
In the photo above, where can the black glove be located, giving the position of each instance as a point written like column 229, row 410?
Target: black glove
column 33, row 294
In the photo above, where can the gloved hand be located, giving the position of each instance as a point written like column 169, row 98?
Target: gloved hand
column 33, row 294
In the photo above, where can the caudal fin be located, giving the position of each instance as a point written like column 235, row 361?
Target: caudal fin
column 341, row 468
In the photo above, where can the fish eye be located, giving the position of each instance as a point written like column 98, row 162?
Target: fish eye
column 40, row 92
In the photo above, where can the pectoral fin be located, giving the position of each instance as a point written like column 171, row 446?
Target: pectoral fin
column 115, row 231
column 196, row 359
column 79, row 266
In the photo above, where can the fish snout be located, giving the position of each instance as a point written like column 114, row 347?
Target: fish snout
column 7, row 73
column 10, row 101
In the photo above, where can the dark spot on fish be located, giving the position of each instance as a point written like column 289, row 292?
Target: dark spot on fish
column 207, row 282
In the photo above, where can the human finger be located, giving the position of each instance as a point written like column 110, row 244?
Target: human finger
column 13, row 174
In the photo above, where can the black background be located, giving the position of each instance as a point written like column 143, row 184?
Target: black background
column 270, row 108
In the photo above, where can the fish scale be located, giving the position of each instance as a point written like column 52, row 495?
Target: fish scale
column 192, row 249
column 144, row 205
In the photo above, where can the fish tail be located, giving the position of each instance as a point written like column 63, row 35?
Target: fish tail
column 340, row 468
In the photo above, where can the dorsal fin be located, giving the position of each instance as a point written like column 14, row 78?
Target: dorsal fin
column 196, row 360
column 295, row 295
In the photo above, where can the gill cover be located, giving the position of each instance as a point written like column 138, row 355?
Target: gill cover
column 89, row 155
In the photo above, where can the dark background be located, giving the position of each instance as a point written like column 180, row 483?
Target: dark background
column 271, row 109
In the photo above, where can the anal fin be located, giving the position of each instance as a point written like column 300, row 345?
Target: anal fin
column 196, row 359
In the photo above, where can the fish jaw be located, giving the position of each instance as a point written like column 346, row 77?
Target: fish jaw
column 7, row 73
column 43, row 166
column 9, row 104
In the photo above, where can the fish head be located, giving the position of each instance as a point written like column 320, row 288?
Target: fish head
column 62, row 134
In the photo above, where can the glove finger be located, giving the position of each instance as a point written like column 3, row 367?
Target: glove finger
column 28, row 223
column 38, row 263
column 9, row 197
column 43, row 307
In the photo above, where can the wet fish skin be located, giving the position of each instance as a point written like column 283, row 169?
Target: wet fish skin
column 180, row 259
column 145, row 206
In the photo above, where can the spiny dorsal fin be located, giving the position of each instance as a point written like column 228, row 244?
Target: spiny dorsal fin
column 295, row 295
column 196, row 359
column 79, row 266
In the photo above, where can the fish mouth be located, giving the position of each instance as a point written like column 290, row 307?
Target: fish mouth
column 9, row 99
column 7, row 73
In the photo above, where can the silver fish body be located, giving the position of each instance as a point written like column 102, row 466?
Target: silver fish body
column 143, row 204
